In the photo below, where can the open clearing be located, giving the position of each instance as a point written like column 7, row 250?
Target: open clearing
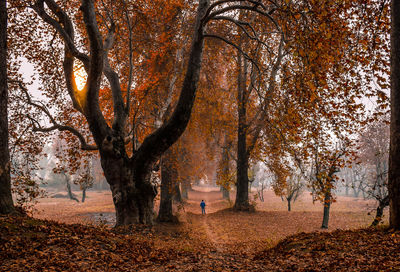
column 227, row 229
column 271, row 239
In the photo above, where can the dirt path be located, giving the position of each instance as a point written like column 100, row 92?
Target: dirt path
column 214, row 255
column 214, row 203
column 211, row 236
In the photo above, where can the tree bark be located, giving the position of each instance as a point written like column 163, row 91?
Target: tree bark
column 185, row 190
column 69, row 190
column 225, row 193
column 168, row 176
column 224, row 164
column 394, row 155
column 327, row 207
column 242, row 164
column 379, row 211
column 177, row 193
column 356, row 192
column 83, row 194
column 289, row 208
column 6, row 202
column 132, row 191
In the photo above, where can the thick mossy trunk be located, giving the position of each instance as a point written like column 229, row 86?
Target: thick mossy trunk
column 394, row 157
column 6, row 202
column 133, row 207
column 168, row 175
column 327, row 207
column 132, row 192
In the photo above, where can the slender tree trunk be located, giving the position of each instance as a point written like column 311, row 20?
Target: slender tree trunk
column 327, row 207
column 225, row 169
column 289, row 207
column 394, row 156
column 69, row 190
column 242, row 164
column 177, row 193
column 185, row 189
column 356, row 192
column 379, row 211
column 168, row 174
column 225, row 193
column 6, row 202
column 84, row 194
column 261, row 193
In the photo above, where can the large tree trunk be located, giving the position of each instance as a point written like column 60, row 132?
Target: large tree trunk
column 242, row 182
column 129, row 178
column 394, row 156
column 132, row 192
column 6, row 202
column 242, row 165
column 168, row 176
column 327, row 207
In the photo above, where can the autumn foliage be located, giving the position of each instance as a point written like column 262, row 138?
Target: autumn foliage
column 162, row 95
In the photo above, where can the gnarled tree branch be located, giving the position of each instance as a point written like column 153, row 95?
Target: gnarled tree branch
column 55, row 125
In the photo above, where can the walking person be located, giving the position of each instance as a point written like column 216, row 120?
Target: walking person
column 203, row 207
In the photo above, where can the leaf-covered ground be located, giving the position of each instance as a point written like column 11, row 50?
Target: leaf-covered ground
column 28, row 244
column 271, row 239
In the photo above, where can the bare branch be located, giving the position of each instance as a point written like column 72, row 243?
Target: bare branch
column 65, row 32
column 56, row 126
column 239, row 7
column 120, row 114
column 234, row 45
column 221, row 2
column 128, row 88
column 241, row 25
column 84, row 145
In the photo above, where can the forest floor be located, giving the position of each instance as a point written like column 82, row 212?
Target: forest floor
column 271, row 239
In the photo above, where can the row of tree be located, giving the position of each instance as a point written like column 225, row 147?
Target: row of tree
column 281, row 82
